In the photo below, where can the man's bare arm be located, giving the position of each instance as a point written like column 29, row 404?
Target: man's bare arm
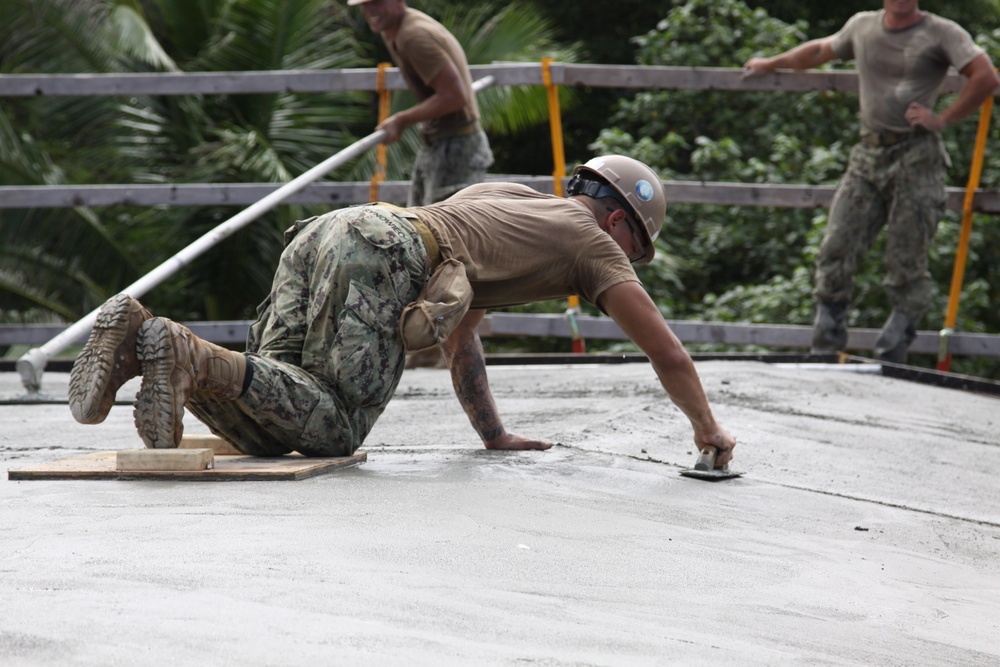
column 804, row 56
column 632, row 309
column 464, row 352
column 449, row 96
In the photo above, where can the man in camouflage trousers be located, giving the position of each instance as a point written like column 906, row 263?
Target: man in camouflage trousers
column 895, row 175
column 360, row 267
column 327, row 349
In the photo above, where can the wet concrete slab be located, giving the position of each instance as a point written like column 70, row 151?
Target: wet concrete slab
column 866, row 530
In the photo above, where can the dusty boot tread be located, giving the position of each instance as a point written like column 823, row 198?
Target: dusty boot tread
column 155, row 411
column 92, row 390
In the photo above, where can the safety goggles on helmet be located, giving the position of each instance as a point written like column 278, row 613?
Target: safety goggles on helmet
column 593, row 188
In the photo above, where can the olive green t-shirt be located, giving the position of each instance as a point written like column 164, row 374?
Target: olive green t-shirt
column 898, row 67
column 421, row 47
column 520, row 246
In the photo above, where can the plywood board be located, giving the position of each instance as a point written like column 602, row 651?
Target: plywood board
column 102, row 465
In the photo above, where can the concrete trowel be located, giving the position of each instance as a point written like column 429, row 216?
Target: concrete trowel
column 704, row 467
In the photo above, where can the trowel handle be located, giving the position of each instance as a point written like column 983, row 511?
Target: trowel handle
column 706, row 459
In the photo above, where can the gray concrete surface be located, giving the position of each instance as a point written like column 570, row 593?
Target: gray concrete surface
column 866, row 531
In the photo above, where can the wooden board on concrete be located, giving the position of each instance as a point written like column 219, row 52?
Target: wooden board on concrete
column 102, row 465
column 164, row 460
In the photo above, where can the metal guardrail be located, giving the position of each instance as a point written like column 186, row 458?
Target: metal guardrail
column 790, row 336
column 342, row 194
column 365, row 79
column 510, row 74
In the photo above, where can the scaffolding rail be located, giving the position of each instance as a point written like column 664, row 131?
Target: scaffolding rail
column 304, row 189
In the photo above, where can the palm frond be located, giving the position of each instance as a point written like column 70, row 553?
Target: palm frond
column 134, row 37
column 53, row 36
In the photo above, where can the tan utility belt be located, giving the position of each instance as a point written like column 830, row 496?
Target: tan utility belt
column 452, row 132
column 889, row 138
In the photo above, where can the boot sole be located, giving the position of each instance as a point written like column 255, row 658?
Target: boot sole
column 91, row 389
column 156, row 415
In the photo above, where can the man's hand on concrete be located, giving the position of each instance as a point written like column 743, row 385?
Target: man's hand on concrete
column 516, row 442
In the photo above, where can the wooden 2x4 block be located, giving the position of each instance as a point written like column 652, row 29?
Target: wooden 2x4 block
column 131, row 460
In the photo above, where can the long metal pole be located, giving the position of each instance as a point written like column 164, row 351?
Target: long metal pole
column 32, row 363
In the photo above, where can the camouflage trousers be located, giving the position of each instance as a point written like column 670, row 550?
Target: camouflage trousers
column 326, row 350
column 448, row 165
column 900, row 187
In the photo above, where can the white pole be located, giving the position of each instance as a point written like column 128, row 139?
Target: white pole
column 32, row 363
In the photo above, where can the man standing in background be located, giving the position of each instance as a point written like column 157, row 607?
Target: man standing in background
column 895, row 175
column 455, row 151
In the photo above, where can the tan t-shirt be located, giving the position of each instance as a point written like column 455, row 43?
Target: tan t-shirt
column 420, row 49
column 898, row 67
column 520, row 246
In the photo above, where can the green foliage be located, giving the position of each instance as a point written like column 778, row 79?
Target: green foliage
column 732, row 255
column 825, row 18
column 55, row 260
column 69, row 261
column 234, row 138
column 203, row 139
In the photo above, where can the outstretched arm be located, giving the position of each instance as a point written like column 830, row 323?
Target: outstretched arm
column 804, row 56
column 464, row 352
column 632, row 309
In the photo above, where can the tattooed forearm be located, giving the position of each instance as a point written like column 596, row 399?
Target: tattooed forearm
column 468, row 375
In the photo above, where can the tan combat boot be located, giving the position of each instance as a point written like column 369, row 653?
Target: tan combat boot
column 175, row 365
column 108, row 360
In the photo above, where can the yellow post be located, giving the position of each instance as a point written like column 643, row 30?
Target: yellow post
column 381, row 152
column 958, row 274
column 555, row 127
column 558, row 173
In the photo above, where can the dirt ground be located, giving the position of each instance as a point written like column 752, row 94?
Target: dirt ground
column 866, row 530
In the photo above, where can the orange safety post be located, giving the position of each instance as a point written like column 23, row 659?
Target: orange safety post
column 555, row 126
column 944, row 357
column 558, row 173
column 381, row 152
